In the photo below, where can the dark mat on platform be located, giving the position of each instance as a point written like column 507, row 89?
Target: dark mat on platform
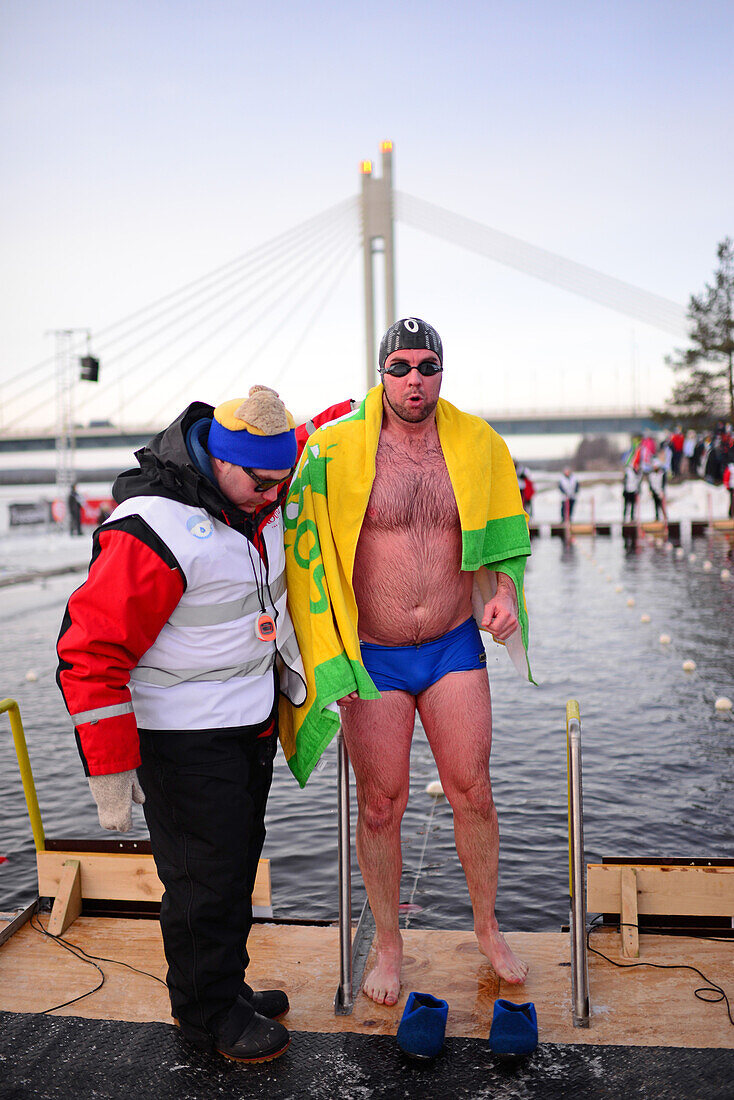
column 61, row 1057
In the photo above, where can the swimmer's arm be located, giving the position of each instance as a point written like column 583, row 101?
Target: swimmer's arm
column 500, row 613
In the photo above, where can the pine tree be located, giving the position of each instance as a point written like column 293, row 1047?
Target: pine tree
column 707, row 390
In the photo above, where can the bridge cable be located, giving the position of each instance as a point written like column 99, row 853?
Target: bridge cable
column 320, row 307
column 605, row 290
column 324, row 258
column 301, row 240
column 327, row 261
column 250, row 260
column 343, row 259
column 312, row 222
column 274, row 280
column 254, row 256
column 344, row 216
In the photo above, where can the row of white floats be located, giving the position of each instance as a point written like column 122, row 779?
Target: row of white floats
column 722, row 704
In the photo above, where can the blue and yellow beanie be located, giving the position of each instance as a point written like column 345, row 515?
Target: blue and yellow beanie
column 258, row 432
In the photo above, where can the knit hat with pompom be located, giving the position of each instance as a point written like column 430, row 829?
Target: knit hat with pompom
column 258, row 432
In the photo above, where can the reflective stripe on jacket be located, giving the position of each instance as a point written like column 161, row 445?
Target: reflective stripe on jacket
column 207, row 667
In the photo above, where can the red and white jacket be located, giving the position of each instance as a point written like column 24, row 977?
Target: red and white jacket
column 161, row 634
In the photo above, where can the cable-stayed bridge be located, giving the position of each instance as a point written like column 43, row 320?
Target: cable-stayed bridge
column 610, row 421
column 269, row 298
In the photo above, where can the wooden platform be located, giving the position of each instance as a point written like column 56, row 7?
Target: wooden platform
column 723, row 527
column 656, row 529
column 641, row 1007
column 571, row 530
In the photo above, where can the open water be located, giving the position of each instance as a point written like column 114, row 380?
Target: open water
column 657, row 758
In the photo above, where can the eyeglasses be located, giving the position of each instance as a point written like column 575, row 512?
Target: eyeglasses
column 399, row 370
column 263, row 484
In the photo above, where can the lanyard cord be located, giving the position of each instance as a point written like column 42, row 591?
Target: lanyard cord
column 260, row 583
column 258, row 577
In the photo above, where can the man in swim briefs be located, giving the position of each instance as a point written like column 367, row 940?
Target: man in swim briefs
column 423, row 650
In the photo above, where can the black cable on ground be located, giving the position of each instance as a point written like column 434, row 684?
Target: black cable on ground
column 84, row 956
column 710, row 987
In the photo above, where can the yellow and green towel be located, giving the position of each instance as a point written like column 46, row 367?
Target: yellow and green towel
column 323, row 519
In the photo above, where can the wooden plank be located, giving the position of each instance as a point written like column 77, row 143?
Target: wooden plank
column 68, row 904
column 262, row 895
column 123, row 877
column 663, row 889
column 36, row 974
column 628, row 913
column 120, row 876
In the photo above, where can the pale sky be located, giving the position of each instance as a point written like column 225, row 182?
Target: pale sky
column 147, row 143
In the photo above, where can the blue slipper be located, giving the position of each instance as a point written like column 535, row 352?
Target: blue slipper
column 514, row 1031
column 423, row 1026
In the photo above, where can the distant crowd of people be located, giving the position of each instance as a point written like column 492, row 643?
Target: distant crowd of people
column 699, row 454
column 679, row 455
column 675, row 457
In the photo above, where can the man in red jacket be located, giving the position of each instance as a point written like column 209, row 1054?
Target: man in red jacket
column 171, row 658
column 676, row 441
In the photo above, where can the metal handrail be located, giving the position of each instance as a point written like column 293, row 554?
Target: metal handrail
column 26, row 774
column 576, row 868
column 344, row 1000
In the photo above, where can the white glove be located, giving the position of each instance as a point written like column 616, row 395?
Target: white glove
column 114, row 795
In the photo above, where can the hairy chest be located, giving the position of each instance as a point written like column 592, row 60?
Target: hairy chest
column 411, row 491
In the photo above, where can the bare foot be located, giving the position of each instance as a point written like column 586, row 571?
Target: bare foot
column 505, row 963
column 382, row 984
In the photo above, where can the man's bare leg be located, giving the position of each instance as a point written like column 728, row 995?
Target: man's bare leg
column 378, row 734
column 457, row 717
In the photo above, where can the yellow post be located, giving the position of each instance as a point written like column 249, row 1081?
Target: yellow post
column 21, row 751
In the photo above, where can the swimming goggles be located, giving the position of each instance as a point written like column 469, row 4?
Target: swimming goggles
column 399, row 370
column 263, row 484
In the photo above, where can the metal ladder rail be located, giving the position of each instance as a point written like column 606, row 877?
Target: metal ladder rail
column 352, row 953
column 344, row 999
column 576, row 869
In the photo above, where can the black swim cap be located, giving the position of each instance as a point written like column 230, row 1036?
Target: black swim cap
column 410, row 332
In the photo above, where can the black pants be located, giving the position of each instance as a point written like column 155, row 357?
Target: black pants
column 205, row 796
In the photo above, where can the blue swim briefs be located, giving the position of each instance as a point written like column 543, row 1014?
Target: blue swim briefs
column 413, row 668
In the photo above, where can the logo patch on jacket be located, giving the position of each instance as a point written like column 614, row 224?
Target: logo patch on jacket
column 200, row 527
